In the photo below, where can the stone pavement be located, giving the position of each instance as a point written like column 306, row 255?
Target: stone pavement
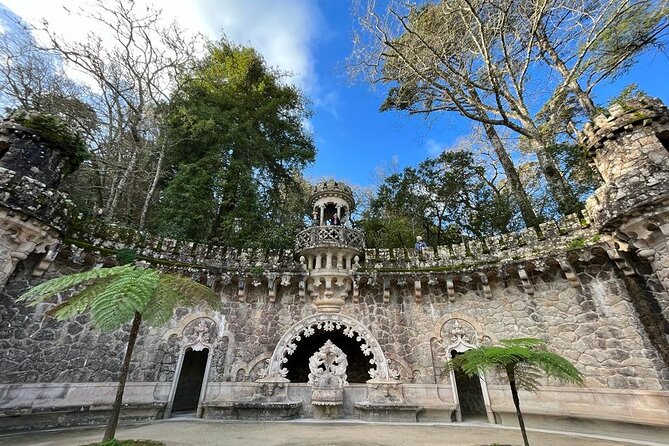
column 185, row 432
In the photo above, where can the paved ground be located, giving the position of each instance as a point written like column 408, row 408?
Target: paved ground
column 184, row 432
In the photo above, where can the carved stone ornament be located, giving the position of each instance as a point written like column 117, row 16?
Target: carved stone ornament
column 327, row 375
column 327, row 367
column 199, row 333
column 462, row 335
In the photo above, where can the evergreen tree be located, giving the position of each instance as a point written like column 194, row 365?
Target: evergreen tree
column 240, row 146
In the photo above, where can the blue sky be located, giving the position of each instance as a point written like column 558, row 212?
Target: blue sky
column 313, row 39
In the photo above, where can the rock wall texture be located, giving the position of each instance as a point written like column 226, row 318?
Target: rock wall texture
column 594, row 286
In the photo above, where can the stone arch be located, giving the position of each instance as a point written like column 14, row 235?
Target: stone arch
column 329, row 322
column 459, row 333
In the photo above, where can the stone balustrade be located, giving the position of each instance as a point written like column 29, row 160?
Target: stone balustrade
column 329, row 236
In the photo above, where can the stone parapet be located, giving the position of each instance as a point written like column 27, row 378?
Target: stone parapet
column 572, row 232
column 329, row 236
column 34, row 199
column 622, row 117
column 98, row 235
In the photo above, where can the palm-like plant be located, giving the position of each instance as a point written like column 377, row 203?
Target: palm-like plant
column 115, row 296
column 523, row 361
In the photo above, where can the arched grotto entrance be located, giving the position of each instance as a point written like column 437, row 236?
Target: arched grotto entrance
column 358, row 367
column 340, row 329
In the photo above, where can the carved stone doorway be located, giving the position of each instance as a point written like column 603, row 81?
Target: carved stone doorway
column 189, row 385
column 470, row 394
column 358, row 364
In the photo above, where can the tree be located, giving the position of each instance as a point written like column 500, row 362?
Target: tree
column 447, row 57
column 133, row 72
column 240, row 141
column 522, row 361
column 117, row 295
column 443, row 199
column 504, row 62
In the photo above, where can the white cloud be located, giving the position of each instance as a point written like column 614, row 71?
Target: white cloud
column 433, row 147
column 281, row 30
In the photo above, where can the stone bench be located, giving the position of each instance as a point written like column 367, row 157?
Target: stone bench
column 387, row 412
column 44, row 417
column 438, row 413
column 251, row 410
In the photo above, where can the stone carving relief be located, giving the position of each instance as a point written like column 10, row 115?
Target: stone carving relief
column 327, row 367
column 259, row 370
column 460, row 335
column 329, row 322
column 200, row 333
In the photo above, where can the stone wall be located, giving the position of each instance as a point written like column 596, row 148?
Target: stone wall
column 595, row 325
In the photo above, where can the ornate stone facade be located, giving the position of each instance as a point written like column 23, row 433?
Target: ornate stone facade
column 594, row 286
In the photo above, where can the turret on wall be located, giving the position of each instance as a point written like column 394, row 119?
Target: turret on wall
column 33, row 214
column 329, row 249
column 629, row 146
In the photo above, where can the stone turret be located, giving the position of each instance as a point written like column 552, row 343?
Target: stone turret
column 629, row 146
column 33, row 213
column 329, row 251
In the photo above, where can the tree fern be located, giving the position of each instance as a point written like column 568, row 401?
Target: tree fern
column 48, row 289
column 125, row 295
column 524, row 361
column 79, row 302
column 115, row 296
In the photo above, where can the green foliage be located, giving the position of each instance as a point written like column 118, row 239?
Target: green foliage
column 444, row 199
column 113, row 295
column 577, row 243
column 232, row 175
column 55, row 130
column 631, row 92
column 526, row 358
column 126, row 256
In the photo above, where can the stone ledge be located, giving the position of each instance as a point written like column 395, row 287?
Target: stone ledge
column 44, row 417
column 438, row 413
column 388, row 412
column 251, row 410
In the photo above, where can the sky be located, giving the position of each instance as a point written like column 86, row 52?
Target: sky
column 312, row 39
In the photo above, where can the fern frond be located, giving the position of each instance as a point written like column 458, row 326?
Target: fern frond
column 127, row 293
column 160, row 308
column 46, row 290
column 191, row 293
column 79, row 302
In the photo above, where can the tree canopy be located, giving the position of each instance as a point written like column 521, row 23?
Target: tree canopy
column 239, row 147
column 443, row 199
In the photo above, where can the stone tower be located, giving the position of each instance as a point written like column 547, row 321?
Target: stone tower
column 327, row 250
column 629, row 146
column 33, row 213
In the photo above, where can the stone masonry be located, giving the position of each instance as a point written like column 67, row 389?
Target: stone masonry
column 594, row 286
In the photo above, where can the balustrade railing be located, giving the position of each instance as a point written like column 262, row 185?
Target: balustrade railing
column 321, row 236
